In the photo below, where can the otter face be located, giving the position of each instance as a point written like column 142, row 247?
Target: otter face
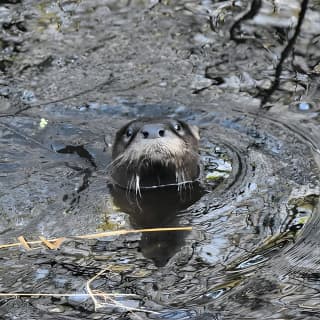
column 154, row 152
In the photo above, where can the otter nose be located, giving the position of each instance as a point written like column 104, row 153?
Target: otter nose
column 153, row 131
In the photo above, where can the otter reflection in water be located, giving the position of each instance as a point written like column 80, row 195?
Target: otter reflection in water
column 154, row 177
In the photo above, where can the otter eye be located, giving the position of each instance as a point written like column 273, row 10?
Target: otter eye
column 177, row 127
column 129, row 133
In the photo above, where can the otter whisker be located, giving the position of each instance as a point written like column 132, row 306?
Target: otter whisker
column 137, row 186
column 183, row 179
column 130, row 183
column 129, row 187
column 115, row 163
column 177, row 180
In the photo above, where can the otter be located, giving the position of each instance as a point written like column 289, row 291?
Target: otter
column 155, row 152
column 154, row 176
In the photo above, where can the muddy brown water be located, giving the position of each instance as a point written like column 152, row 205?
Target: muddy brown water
column 73, row 72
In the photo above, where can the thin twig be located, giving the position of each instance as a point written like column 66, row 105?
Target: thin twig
column 75, row 95
column 96, row 235
column 284, row 54
column 114, row 303
column 254, row 9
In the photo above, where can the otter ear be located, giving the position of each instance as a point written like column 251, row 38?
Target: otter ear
column 195, row 131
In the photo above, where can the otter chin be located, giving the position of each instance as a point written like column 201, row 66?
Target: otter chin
column 155, row 152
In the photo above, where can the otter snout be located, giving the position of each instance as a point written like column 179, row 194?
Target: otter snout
column 153, row 131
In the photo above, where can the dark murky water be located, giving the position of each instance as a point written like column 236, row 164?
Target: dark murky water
column 73, row 72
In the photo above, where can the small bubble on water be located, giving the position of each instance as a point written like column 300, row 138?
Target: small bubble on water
column 304, row 106
column 301, row 106
column 28, row 96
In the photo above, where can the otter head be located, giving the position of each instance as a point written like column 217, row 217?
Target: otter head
column 150, row 152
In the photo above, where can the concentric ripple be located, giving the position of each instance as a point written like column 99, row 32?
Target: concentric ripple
column 255, row 230
column 261, row 218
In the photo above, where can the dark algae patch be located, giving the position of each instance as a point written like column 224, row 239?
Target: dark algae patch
column 246, row 73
